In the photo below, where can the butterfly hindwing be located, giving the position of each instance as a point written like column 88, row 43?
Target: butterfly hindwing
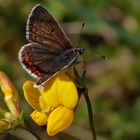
column 42, row 63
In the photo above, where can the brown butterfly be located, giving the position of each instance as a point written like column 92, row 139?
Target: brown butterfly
column 49, row 49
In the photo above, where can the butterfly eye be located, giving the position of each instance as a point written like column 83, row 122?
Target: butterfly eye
column 80, row 50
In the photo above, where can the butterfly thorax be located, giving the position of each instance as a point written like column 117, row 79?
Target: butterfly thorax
column 70, row 53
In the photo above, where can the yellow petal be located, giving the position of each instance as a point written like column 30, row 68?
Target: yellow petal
column 59, row 119
column 32, row 95
column 43, row 105
column 61, row 90
column 39, row 118
column 50, row 93
column 67, row 91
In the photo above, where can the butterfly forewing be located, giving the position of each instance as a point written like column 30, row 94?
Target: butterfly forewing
column 43, row 29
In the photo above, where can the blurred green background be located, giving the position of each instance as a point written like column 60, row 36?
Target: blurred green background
column 112, row 29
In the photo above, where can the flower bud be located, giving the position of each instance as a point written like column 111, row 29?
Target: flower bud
column 10, row 94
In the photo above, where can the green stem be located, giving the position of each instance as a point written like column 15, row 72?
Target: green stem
column 84, row 90
column 90, row 113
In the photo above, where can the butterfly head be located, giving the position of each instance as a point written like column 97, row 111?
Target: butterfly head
column 80, row 50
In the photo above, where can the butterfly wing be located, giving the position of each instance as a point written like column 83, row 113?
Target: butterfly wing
column 42, row 63
column 43, row 29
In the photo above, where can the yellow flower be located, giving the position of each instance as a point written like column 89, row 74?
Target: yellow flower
column 54, row 104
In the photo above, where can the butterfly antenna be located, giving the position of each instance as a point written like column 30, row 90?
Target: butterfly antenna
column 97, row 55
column 83, row 24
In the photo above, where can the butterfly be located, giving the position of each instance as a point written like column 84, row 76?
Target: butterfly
column 49, row 50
